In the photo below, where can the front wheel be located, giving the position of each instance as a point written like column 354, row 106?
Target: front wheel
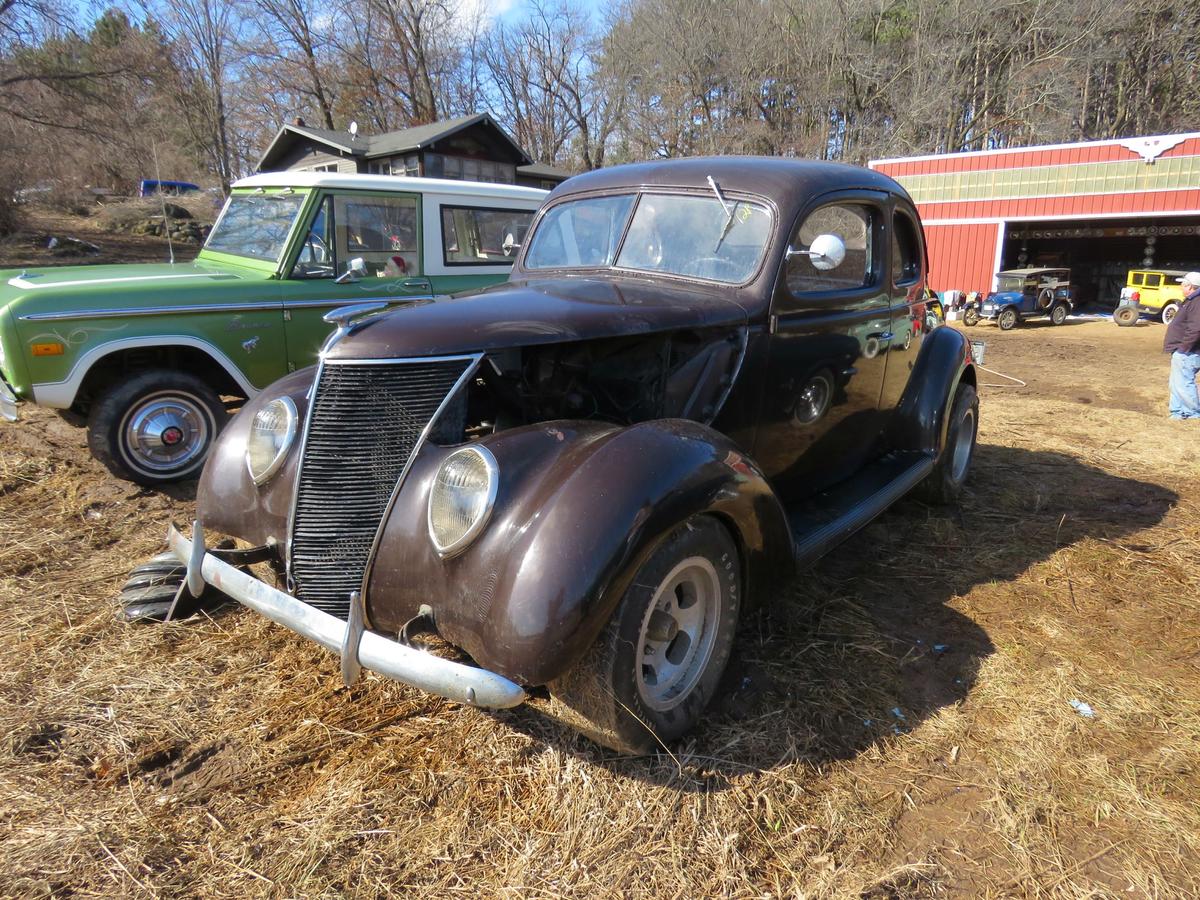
column 155, row 426
column 651, row 672
column 1058, row 314
column 1007, row 319
column 971, row 317
column 1168, row 313
column 945, row 482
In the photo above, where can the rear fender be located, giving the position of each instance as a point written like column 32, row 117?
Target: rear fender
column 580, row 506
column 922, row 415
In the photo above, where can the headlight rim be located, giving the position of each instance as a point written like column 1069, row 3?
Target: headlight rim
column 293, row 426
column 467, row 538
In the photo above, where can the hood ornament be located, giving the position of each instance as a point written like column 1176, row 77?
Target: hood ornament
column 346, row 317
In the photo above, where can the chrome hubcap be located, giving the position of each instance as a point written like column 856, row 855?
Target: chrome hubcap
column 166, row 433
column 964, row 442
column 678, row 633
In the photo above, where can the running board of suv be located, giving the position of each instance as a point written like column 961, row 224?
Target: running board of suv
column 824, row 521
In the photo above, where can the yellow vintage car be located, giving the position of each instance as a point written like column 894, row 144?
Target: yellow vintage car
column 1155, row 291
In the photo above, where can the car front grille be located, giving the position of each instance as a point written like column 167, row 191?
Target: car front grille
column 364, row 425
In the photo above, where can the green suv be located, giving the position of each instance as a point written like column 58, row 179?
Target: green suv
column 151, row 353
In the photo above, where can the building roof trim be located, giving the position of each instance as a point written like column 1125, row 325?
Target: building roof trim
column 1034, row 148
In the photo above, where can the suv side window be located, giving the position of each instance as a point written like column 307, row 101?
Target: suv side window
column 906, row 251
column 317, row 258
column 381, row 231
column 854, row 224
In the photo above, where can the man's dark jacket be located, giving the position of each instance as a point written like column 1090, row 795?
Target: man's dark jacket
column 1183, row 334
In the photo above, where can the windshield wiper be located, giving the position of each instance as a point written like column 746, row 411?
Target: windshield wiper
column 729, row 211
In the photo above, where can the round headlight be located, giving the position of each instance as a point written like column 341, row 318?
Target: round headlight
column 271, row 434
column 461, row 498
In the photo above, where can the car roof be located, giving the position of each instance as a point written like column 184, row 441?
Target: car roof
column 1170, row 272
column 789, row 182
column 391, row 183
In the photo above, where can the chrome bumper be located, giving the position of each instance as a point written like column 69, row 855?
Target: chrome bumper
column 8, row 402
column 455, row 681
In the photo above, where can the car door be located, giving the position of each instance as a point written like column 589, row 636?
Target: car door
column 906, row 282
column 830, row 329
column 377, row 231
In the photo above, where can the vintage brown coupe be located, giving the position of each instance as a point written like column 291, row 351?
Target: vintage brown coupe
column 701, row 375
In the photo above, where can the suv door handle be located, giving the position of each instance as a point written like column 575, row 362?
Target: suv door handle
column 417, row 283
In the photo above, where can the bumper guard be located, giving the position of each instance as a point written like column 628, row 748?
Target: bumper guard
column 356, row 646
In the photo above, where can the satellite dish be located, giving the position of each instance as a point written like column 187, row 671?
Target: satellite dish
column 353, row 129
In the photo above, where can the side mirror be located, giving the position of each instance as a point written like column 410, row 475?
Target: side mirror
column 356, row 270
column 826, row 252
column 510, row 245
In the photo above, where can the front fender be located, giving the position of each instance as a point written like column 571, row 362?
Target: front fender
column 921, row 417
column 580, row 506
column 227, row 499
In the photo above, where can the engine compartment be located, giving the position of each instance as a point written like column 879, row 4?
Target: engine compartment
column 624, row 380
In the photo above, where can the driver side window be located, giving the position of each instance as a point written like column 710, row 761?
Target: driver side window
column 853, row 223
column 318, row 257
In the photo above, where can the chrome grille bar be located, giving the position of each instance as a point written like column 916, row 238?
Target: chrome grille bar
column 366, row 422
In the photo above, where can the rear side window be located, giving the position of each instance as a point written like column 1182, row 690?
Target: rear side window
column 1138, row 279
column 482, row 237
column 1153, row 280
column 906, row 251
column 854, row 224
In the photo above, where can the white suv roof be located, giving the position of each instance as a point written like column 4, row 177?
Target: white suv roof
column 391, row 183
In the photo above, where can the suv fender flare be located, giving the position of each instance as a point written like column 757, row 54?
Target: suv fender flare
column 923, row 411
column 61, row 394
column 580, row 506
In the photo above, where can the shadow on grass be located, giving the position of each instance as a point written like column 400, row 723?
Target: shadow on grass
column 864, row 645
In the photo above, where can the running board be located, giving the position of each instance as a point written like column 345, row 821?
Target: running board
column 822, row 522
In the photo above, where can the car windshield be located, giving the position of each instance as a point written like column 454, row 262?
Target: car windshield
column 1010, row 282
column 255, row 225
column 675, row 234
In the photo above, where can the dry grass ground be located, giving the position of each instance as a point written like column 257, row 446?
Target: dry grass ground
column 898, row 726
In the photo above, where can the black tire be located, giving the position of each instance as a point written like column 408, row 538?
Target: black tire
column 1058, row 313
column 945, row 482
column 609, row 694
column 1007, row 319
column 121, row 426
column 971, row 316
column 1168, row 313
column 1125, row 316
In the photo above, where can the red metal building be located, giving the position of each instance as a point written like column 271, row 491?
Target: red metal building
column 1100, row 207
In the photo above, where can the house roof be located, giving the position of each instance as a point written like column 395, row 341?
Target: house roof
column 387, row 144
column 541, row 170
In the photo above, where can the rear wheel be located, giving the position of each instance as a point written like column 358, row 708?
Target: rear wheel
column 155, row 426
column 1168, row 313
column 1125, row 316
column 651, row 672
column 1058, row 314
column 945, row 482
column 1007, row 319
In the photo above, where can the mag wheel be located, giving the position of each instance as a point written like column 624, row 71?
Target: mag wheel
column 1007, row 319
column 651, row 672
column 156, row 426
column 1058, row 314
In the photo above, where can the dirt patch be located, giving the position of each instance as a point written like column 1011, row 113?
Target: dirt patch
column 30, row 246
column 898, row 724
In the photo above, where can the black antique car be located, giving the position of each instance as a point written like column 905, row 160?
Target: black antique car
column 701, row 375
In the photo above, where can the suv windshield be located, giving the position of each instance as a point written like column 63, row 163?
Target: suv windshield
column 675, row 234
column 255, row 225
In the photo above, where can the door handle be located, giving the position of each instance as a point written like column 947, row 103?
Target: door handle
column 417, row 283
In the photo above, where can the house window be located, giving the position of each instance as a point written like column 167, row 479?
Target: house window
column 469, row 169
column 379, row 168
column 328, row 167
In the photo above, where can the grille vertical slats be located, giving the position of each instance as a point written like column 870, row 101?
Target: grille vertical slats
column 365, row 423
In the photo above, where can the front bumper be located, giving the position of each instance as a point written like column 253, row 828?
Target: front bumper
column 455, row 681
column 8, row 402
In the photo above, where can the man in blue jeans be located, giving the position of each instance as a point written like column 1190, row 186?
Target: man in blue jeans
column 1183, row 343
